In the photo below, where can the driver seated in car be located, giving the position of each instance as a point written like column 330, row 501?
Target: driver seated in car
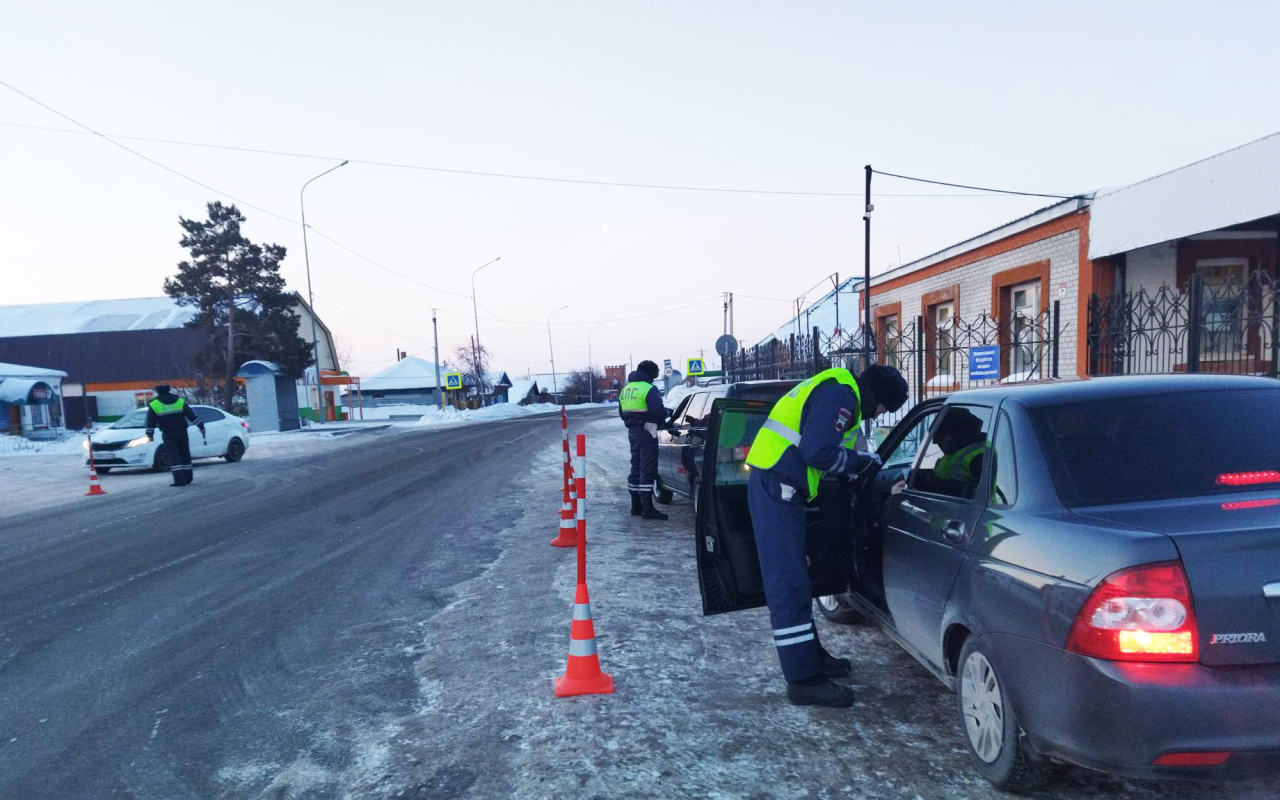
column 964, row 449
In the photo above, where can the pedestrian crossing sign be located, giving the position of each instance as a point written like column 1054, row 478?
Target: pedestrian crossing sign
column 694, row 367
column 452, row 380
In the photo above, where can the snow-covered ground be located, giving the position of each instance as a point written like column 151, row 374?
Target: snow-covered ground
column 432, row 415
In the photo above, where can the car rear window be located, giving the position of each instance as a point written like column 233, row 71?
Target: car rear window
column 1158, row 447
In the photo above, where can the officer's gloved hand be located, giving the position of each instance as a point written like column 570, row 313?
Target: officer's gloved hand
column 866, row 462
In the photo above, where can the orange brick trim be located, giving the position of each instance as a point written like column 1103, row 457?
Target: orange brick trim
column 882, row 332
column 949, row 294
column 1002, row 284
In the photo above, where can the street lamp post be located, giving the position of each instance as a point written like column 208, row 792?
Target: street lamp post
column 591, row 375
column 555, row 389
column 475, row 348
column 311, row 299
column 630, row 353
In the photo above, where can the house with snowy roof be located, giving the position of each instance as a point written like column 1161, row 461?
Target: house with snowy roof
column 114, row 351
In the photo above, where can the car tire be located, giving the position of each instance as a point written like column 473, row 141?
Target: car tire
column 990, row 725
column 661, row 493
column 161, row 461
column 693, row 497
column 839, row 608
column 103, row 470
column 235, row 450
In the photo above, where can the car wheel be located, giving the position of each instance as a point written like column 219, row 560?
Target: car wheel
column 235, row 450
column 840, row 609
column 161, row 461
column 103, row 470
column 661, row 493
column 990, row 724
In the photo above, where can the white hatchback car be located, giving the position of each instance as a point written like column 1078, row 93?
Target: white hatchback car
column 124, row 443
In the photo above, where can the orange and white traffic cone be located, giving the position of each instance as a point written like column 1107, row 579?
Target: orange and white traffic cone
column 582, row 674
column 568, row 535
column 94, row 488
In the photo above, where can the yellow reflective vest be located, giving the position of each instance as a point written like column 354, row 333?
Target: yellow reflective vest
column 782, row 429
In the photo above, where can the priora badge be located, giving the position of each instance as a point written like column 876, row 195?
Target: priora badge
column 1238, row 638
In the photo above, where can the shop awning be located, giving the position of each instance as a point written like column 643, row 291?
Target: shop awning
column 25, row 391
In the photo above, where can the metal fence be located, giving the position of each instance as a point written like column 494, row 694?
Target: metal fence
column 1225, row 326
column 934, row 358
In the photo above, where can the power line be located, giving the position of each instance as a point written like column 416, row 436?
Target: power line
column 371, row 324
column 976, row 188
column 504, row 175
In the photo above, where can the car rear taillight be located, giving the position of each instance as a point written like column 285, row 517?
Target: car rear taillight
column 1248, row 478
column 1241, row 505
column 740, row 452
column 244, row 424
column 1139, row 614
column 1203, row 759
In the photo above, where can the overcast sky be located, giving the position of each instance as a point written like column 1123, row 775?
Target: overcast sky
column 787, row 96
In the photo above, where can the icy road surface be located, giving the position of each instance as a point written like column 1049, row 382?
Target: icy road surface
column 382, row 617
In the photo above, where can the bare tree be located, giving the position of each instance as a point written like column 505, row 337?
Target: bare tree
column 473, row 360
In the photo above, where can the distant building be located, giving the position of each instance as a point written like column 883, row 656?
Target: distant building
column 409, row 381
column 30, row 400
column 523, row 392
column 115, row 351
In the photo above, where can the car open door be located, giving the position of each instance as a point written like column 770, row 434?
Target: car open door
column 728, row 566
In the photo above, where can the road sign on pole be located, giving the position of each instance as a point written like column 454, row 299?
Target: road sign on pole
column 452, row 380
column 694, row 367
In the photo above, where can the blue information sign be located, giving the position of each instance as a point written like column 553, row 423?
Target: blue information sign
column 984, row 362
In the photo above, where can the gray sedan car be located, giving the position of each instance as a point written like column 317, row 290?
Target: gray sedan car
column 1093, row 567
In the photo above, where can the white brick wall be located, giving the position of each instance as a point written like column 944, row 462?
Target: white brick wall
column 1061, row 251
column 1151, row 267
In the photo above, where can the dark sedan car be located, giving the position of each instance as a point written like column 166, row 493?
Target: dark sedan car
column 680, row 449
column 1101, row 587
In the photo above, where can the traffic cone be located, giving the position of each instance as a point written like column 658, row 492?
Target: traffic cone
column 582, row 674
column 94, row 488
column 568, row 535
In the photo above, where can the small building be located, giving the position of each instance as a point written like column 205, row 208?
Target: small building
column 271, row 395
column 523, row 392
column 499, row 385
column 31, row 401
column 409, row 381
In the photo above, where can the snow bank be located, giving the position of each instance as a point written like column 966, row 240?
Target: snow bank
column 434, row 416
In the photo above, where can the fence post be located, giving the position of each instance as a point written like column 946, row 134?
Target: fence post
column 1057, row 334
column 816, row 344
column 1193, row 323
column 920, row 379
column 1275, row 323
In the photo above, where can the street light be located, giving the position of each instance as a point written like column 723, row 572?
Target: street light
column 475, row 348
column 311, row 300
column 591, row 375
column 555, row 390
column 630, row 365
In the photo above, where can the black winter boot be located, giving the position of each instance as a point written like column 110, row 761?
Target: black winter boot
column 648, row 511
column 636, row 508
column 833, row 667
column 819, row 692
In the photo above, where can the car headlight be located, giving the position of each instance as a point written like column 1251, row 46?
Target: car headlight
column 85, row 444
column 141, row 440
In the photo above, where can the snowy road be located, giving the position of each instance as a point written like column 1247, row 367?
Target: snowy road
column 383, row 618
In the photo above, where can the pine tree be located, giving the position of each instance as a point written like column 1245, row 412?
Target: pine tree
column 240, row 294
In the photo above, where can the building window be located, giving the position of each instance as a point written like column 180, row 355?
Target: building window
column 1222, row 305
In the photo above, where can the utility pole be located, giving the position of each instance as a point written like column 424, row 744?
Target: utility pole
column 311, row 298
column 866, row 286
column 435, row 339
column 591, row 374
column 837, row 280
column 555, row 389
column 475, row 347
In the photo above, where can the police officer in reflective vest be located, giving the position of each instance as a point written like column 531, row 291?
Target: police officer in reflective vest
column 964, row 448
column 811, row 432
column 170, row 413
column 642, row 411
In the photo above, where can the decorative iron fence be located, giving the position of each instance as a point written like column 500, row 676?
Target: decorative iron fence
column 934, row 359
column 1225, row 326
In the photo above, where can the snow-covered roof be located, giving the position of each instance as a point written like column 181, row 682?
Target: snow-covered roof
column 22, row 371
column 498, row 378
column 545, row 382
column 520, row 390
column 138, row 314
column 409, row 372
column 1218, row 192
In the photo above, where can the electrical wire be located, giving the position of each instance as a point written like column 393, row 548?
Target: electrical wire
column 505, row 175
column 370, row 324
column 976, row 188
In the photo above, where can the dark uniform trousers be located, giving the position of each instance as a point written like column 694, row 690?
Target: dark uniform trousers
column 644, row 459
column 780, row 541
column 178, row 446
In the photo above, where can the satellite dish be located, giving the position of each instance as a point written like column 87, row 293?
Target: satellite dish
column 726, row 346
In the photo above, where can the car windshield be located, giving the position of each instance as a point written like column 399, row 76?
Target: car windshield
column 134, row 419
column 1159, row 447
